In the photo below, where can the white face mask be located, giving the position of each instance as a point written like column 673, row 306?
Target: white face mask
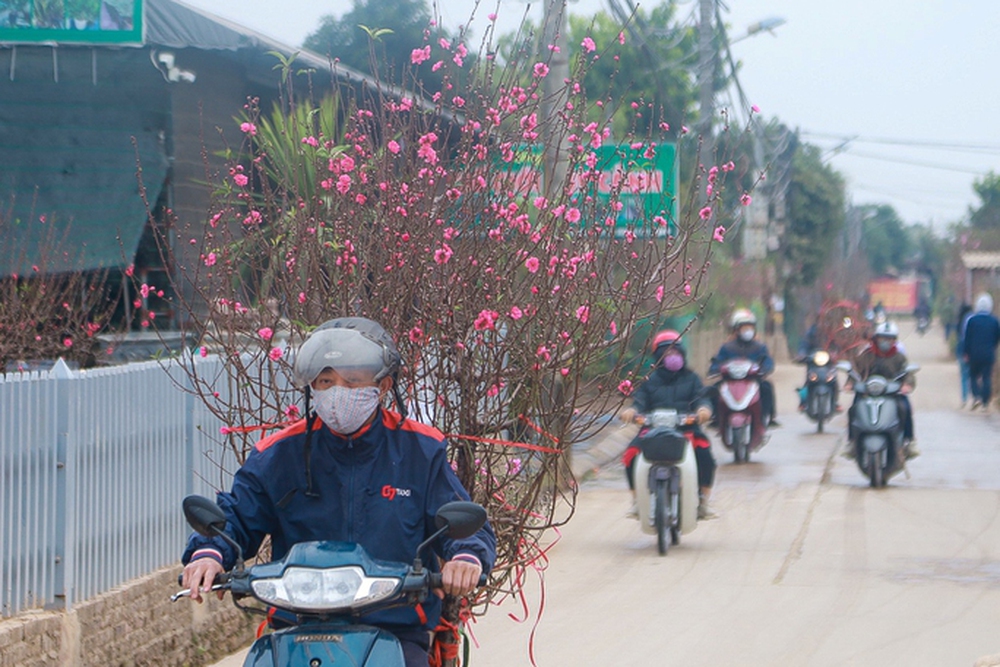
column 345, row 409
column 884, row 344
column 747, row 334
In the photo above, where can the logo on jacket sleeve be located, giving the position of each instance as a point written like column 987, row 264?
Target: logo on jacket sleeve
column 390, row 492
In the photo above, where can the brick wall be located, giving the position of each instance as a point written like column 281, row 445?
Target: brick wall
column 135, row 624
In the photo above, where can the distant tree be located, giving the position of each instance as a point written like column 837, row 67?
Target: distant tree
column 987, row 215
column 886, row 238
column 402, row 27
column 650, row 65
column 815, row 202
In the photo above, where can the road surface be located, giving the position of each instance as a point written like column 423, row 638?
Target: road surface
column 806, row 566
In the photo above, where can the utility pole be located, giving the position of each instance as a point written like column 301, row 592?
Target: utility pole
column 706, row 77
column 554, row 95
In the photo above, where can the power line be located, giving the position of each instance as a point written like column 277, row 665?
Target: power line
column 915, row 163
column 915, row 143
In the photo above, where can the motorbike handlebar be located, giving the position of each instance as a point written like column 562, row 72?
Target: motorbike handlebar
column 220, row 583
column 434, row 580
column 683, row 419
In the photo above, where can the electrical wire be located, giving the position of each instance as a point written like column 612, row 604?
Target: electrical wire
column 915, row 143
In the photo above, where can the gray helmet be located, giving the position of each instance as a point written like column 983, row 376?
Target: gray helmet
column 355, row 347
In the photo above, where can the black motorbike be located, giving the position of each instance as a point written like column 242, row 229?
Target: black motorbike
column 820, row 389
column 877, row 425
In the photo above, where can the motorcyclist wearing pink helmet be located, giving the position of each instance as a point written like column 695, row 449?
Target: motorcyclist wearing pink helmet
column 672, row 385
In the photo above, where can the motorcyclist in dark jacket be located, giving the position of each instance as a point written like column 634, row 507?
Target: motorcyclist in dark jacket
column 745, row 345
column 883, row 357
column 674, row 386
column 812, row 342
column 350, row 471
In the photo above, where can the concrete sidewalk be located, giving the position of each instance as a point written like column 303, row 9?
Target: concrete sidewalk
column 598, row 450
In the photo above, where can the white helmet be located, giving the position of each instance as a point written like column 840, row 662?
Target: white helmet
column 742, row 316
column 888, row 329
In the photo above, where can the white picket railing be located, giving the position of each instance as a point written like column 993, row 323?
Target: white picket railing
column 93, row 467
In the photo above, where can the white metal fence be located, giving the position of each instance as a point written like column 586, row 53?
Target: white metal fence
column 93, row 467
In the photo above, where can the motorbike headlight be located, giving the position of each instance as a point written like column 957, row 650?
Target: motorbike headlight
column 663, row 419
column 738, row 370
column 876, row 385
column 332, row 589
column 821, row 358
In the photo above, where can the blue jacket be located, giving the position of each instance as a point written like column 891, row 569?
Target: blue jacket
column 379, row 488
column 979, row 337
column 755, row 351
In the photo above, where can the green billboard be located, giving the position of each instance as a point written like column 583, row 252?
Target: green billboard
column 642, row 178
column 71, row 22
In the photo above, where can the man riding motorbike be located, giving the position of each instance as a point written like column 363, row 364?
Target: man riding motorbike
column 810, row 344
column 883, row 357
column 350, row 471
column 745, row 345
column 674, row 386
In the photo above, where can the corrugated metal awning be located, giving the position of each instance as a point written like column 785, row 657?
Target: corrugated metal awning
column 981, row 260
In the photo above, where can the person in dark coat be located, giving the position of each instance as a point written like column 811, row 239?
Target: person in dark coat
column 673, row 386
column 963, row 365
column 744, row 344
column 980, row 336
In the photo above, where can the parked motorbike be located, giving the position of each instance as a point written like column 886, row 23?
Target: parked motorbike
column 666, row 477
column 326, row 587
column 742, row 425
column 820, row 388
column 877, row 425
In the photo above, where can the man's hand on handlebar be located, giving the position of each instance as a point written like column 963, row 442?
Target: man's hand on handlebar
column 459, row 577
column 199, row 576
column 628, row 415
column 703, row 414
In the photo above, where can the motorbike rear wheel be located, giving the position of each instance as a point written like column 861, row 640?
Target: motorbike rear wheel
column 660, row 517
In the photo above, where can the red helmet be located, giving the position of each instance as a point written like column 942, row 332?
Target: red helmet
column 664, row 339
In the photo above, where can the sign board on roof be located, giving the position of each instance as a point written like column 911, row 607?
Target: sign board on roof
column 645, row 179
column 71, row 21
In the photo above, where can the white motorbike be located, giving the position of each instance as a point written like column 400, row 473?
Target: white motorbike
column 666, row 478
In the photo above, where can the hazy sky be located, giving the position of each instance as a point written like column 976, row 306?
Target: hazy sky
column 913, row 84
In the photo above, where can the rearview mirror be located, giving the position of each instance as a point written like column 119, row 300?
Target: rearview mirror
column 912, row 368
column 462, row 518
column 204, row 516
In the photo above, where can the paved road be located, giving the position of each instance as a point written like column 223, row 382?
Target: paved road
column 807, row 566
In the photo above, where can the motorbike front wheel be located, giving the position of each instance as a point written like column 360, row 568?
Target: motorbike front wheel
column 876, row 462
column 660, row 517
column 741, row 444
column 675, row 516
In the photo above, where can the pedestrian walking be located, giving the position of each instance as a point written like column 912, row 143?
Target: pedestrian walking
column 980, row 337
column 963, row 365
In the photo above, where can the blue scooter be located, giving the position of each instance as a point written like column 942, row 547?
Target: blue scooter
column 326, row 587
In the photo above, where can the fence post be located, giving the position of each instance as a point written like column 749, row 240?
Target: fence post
column 189, row 419
column 65, row 520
